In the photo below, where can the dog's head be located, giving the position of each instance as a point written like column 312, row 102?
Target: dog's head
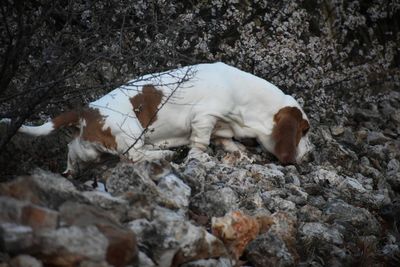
column 290, row 135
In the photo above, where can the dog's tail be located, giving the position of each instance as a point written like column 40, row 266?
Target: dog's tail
column 69, row 118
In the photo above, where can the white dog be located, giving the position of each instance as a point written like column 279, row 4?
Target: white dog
column 186, row 106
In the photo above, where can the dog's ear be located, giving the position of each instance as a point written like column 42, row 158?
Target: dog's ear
column 288, row 129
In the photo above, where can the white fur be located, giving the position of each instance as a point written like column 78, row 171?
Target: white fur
column 44, row 129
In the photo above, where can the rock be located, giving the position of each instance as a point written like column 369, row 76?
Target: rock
column 173, row 241
column 276, row 247
column 127, row 177
column 267, row 173
column 322, row 232
column 215, row 202
column 326, row 177
column 68, row 246
column 276, row 203
column 376, row 138
column 309, row 213
column 366, row 114
column 297, row 194
column 268, row 250
column 395, row 116
column 42, row 188
column 25, row 261
column 393, row 174
column 116, row 206
column 24, row 213
column 236, row 230
column 194, row 174
column 221, row 262
column 15, row 237
column 175, row 190
column 337, row 130
column 347, row 215
column 351, row 185
column 347, row 137
column 88, row 263
column 121, row 243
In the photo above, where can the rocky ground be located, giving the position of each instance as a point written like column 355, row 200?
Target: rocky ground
column 341, row 208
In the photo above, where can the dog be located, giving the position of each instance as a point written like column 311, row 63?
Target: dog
column 187, row 106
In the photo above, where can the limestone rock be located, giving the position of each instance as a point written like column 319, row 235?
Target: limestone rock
column 24, row 213
column 359, row 218
column 69, row 246
column 175, row 241
column 121, row 246
column 215, row 202
column 15, row 237
column 25, row 261
column 322, row 232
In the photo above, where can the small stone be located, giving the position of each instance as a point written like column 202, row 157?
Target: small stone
column 215, row 202
column 126, row 177
column 337, row 130
column 376, row 138
column 20, row 212
column 121, row 243
column 42, row 188
column 395, row 116
column 309, row 213
column 15, row 238
column 320, row 231
column 236, row 230
column 68, row 246
column 298, row 195
column 88, row 263
column 25, row 261
column 359, row 218
column 325, row 177
column 174, row 241
column 267, row 172
column 348, row 137
column 352, row 185
column 269, row 250
column 277, row 203
column 114, row 205
column 220, row 262
column 194, row 174
column 366, row 114
column 176, row 190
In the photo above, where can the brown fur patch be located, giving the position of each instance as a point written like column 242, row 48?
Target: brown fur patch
column 145, row 105
column 93, row 130
column 68, row 118
column 288, row 130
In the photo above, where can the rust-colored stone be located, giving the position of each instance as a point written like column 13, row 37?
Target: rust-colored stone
column 38, row 217
column 236, row 230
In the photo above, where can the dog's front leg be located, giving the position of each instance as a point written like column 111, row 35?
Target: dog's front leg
column 201, row 129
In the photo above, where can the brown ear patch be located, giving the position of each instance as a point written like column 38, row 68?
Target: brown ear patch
column 93, row 130
column 287, row 132
column 145, row 105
